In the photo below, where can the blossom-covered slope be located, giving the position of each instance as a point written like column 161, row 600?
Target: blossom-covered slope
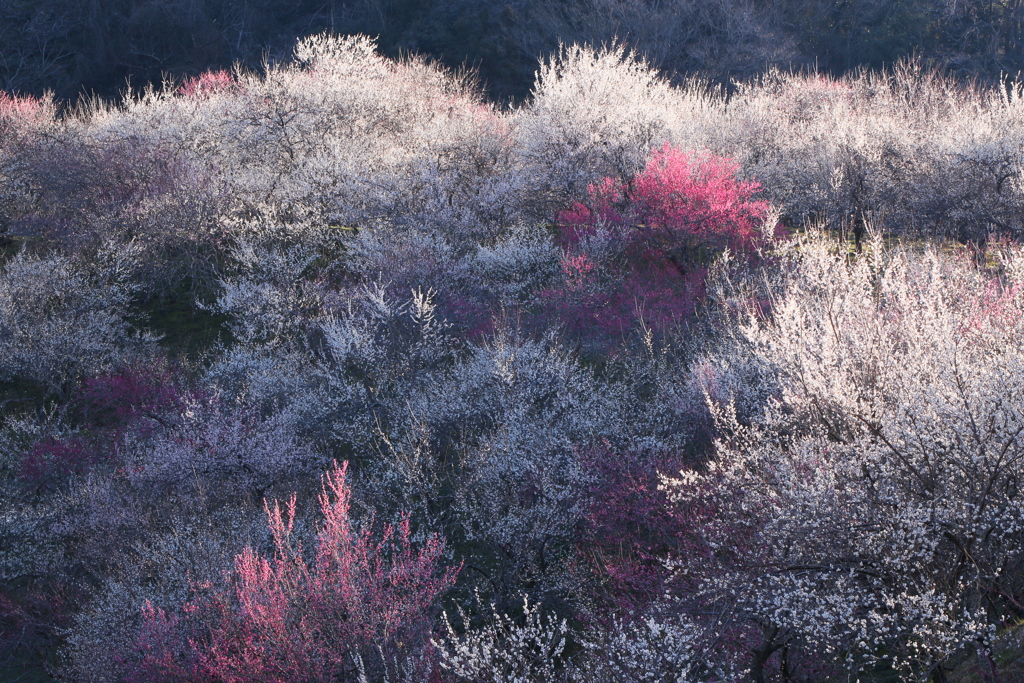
column 633, row 382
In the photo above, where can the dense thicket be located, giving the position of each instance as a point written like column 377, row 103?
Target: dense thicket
column 594, row 388
column 74, row 47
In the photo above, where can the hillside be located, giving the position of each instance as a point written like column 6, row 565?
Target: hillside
column 337, row 370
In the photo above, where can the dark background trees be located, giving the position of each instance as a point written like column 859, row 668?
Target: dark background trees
column 96, row 46
column 75, row 47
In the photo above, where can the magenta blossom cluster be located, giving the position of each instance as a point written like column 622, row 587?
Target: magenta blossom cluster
column 638, row 250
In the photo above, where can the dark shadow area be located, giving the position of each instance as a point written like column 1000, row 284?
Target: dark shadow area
column 98, row 47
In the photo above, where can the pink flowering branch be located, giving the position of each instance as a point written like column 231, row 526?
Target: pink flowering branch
column 282, row 618
column 210, row 83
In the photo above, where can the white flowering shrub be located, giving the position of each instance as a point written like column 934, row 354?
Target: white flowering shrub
column 23, row 121
column 524, row 650
column 721, row 38
column 911, row 151
column 159, row 207
column 236, row 447
column 649, row 649
column 514, row 414
column 61, row 320
column 343, row 356
column 513, row 268
column 593, row 113
column 871, row 513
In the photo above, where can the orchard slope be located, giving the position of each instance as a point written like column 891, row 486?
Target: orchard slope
column 590, row 389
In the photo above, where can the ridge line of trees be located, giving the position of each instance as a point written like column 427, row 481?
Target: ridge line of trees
column 99, row 46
